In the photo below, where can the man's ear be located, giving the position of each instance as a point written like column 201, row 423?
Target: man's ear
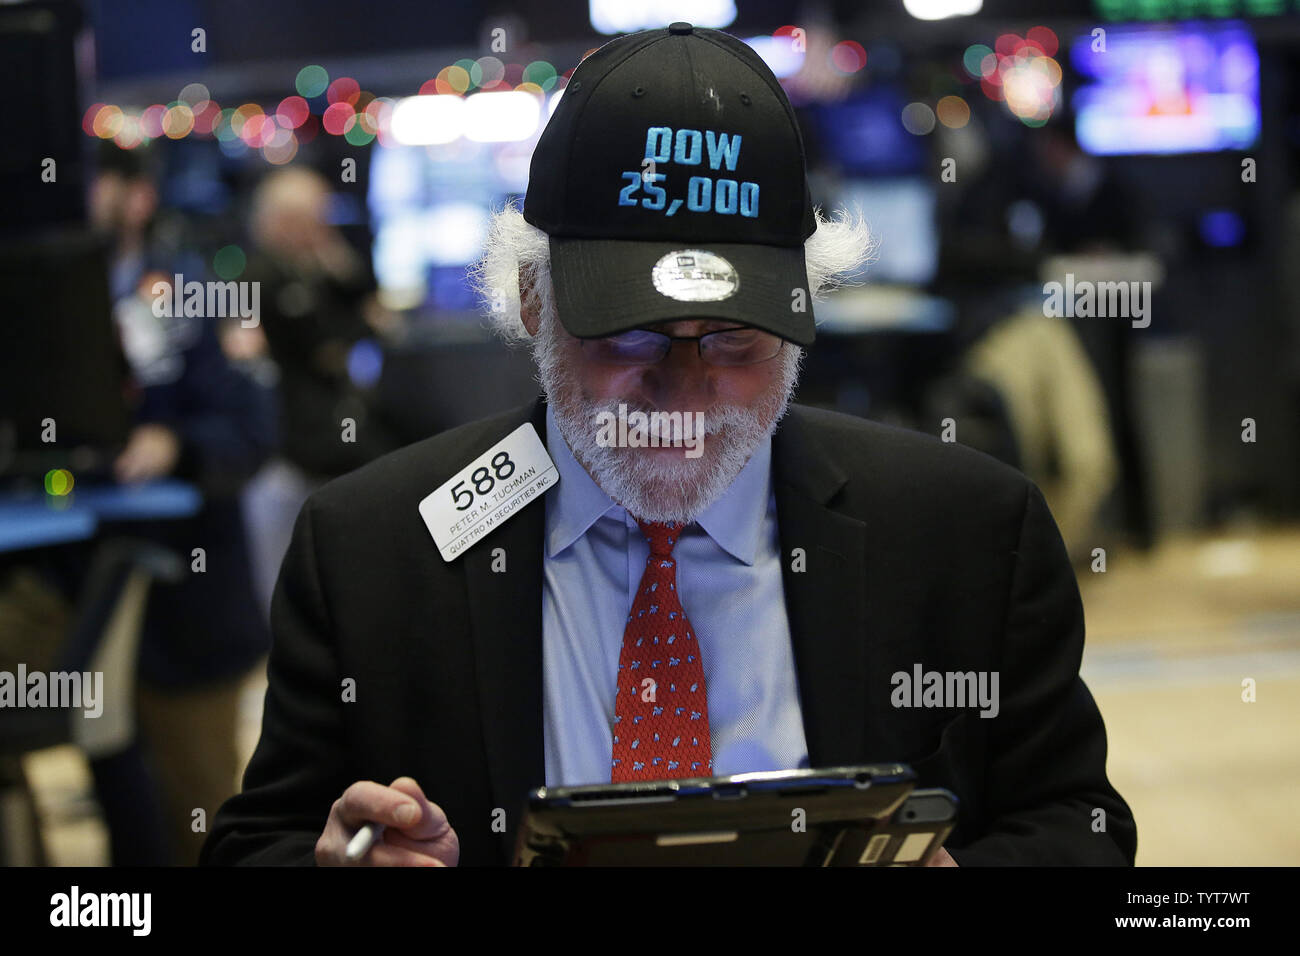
column 526, row 310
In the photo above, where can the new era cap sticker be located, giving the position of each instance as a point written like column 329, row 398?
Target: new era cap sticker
column 722, row 196
column 695, row 275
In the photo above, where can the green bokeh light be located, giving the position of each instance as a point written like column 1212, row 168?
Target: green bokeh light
column 312, row 81
column 973, row 59
column 541, row 73
column 58, row 482
column 229, row 262
column 357, row 136
column 474, row 71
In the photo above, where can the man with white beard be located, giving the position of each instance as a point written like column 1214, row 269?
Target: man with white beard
column 489, row 603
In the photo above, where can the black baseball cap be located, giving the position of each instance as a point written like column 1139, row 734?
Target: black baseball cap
column 671, row 180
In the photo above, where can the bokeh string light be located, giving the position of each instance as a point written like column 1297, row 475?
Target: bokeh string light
column 1020, row 72
column 337, row 106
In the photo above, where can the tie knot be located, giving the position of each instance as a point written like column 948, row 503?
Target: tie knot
column 662, row 536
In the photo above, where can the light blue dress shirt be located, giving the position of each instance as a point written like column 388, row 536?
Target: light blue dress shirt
column 729, row 580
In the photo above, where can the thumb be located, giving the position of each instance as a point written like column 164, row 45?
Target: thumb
column 433, row 821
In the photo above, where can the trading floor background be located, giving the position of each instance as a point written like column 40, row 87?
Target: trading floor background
column 335, row 164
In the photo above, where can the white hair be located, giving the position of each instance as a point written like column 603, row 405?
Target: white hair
column 834, row 253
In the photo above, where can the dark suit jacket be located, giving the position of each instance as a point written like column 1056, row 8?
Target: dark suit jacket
column 917, row 552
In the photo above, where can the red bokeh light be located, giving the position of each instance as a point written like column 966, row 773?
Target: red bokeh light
column 206, row 119
column 1045, row 39
column 338, row 119
column 343, row 90
column 293, row 110
column 1006, row 44
column 848, row 56
column 88, row 121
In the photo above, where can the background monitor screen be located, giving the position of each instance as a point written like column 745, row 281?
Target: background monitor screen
column 900, row 212
column 864, row 135
column 1173, row 89
column 430, row 208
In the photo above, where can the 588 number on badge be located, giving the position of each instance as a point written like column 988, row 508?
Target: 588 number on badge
column 484, row 479
column 492, row 486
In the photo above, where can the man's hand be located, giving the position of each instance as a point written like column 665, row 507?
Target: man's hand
column 417, row 832
column 152, row 451
column 942, row 858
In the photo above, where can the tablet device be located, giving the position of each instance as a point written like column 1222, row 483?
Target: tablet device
column 911, row 836
column 777, row 818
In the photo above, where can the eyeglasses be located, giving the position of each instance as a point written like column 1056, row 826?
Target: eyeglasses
column 740, row 345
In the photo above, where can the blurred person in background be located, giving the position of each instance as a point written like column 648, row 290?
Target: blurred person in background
column 317, row 307
column 198, row 419
column 1052, row 392
column 123, row 207
column 1058, row 411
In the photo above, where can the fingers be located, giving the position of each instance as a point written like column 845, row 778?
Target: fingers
column 331, row 851
column 445, row 848
column 417, row 832
column 432, row 823
column 369, row 802
column 331, row 848
column 383, row 854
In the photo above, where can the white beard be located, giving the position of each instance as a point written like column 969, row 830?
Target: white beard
column 652, row 484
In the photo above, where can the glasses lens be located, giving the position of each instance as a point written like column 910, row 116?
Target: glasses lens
column 637, row 347
column 739, row 346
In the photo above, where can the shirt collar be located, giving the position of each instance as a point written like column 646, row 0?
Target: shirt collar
column 577, row 502
column 734, row 521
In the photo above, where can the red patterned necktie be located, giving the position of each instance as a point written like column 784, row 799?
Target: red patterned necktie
column 661, row 711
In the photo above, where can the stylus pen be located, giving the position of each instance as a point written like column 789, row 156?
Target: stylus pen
column 360, row 844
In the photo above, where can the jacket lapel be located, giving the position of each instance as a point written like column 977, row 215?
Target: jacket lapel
column 826, row 601
column 506, row 615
